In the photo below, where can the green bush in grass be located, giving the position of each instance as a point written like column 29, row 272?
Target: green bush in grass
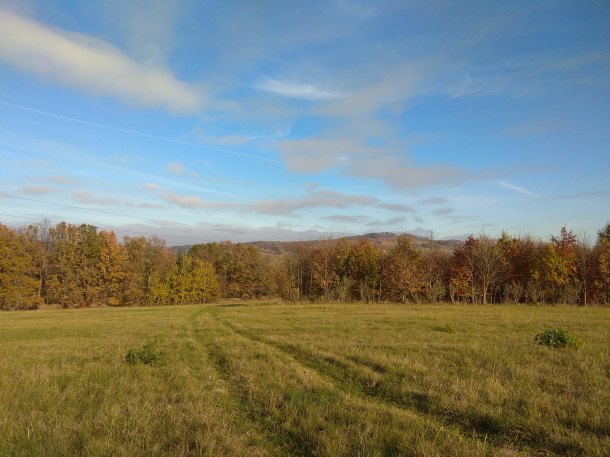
column 447, row 328
column 557, row 338
column 149, row 354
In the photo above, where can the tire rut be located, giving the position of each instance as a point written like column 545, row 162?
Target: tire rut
column 481, row 428
column 350, row 389
column 193, row 344
column 277, row 445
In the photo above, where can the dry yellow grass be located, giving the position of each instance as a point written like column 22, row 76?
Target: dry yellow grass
column 274, row 379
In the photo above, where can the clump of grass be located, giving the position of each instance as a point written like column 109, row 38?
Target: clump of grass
column 557, row 338
column 148, row 354
column 447, row 328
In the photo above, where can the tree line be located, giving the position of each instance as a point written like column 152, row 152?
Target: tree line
column 79, row 266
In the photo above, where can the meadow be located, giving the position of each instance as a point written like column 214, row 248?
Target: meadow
column 254, row 379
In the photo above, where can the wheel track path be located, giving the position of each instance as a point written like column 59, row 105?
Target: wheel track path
column 193, row 343
column 353, row 390
column 276, row 445
column 412, row 404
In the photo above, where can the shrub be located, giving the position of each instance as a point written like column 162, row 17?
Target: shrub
column 447, row 328
column 557, row 339
column 149, row 354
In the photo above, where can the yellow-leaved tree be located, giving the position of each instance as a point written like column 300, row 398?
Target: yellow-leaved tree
column 18, row 286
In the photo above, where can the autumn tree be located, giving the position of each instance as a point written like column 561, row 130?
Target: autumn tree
column 550, row 273
column 481, row 266
column 112, row 257
column 436, row 272
column 344, row 268
column 18, row 285
column 205, row 287
column 37, row 242
column 520, row 254
column 192, row 281
column 89, row 274
column 293, row 271
column 366, row 270
column 403, row 273
column 136, row 284
column 566, row 246
column 462, row 284
column 63, row 284
column 75, row 265
column 490, row 266
column 241, row 269
column 602, row 264
column 148, row 260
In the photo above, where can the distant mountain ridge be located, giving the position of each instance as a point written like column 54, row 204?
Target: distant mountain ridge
column 383, row 240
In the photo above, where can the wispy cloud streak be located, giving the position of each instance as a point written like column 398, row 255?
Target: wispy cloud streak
column 304, row 91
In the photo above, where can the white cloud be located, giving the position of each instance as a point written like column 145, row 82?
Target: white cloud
column 433, row 201
column 388, row 222
column 82, row 196
column 295, row 90
column 185, row 201
column 239, row 139
column 92, row 65
column 193, row 201
column 312, row 155
column 37, row 190
column 62, row 179
column 175, row 168
column 357, row 159
column 398, row 207
column 443, row 211
column 400, row 175
column 514, row 188
column 346, row 218
column 147, row 25
column 316, row 198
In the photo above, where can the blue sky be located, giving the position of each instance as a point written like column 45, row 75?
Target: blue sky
column 202, row 121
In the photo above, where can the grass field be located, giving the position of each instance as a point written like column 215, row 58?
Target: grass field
column 262, row 379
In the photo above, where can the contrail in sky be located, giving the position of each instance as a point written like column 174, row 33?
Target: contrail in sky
column 134, row 132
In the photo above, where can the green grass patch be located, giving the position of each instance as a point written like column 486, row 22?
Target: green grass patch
column 148, row 354
column 558, row 338
column 447, row 328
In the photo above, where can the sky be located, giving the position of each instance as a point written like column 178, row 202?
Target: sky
column 287, row 120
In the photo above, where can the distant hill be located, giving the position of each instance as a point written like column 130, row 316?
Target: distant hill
column 383, row 240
